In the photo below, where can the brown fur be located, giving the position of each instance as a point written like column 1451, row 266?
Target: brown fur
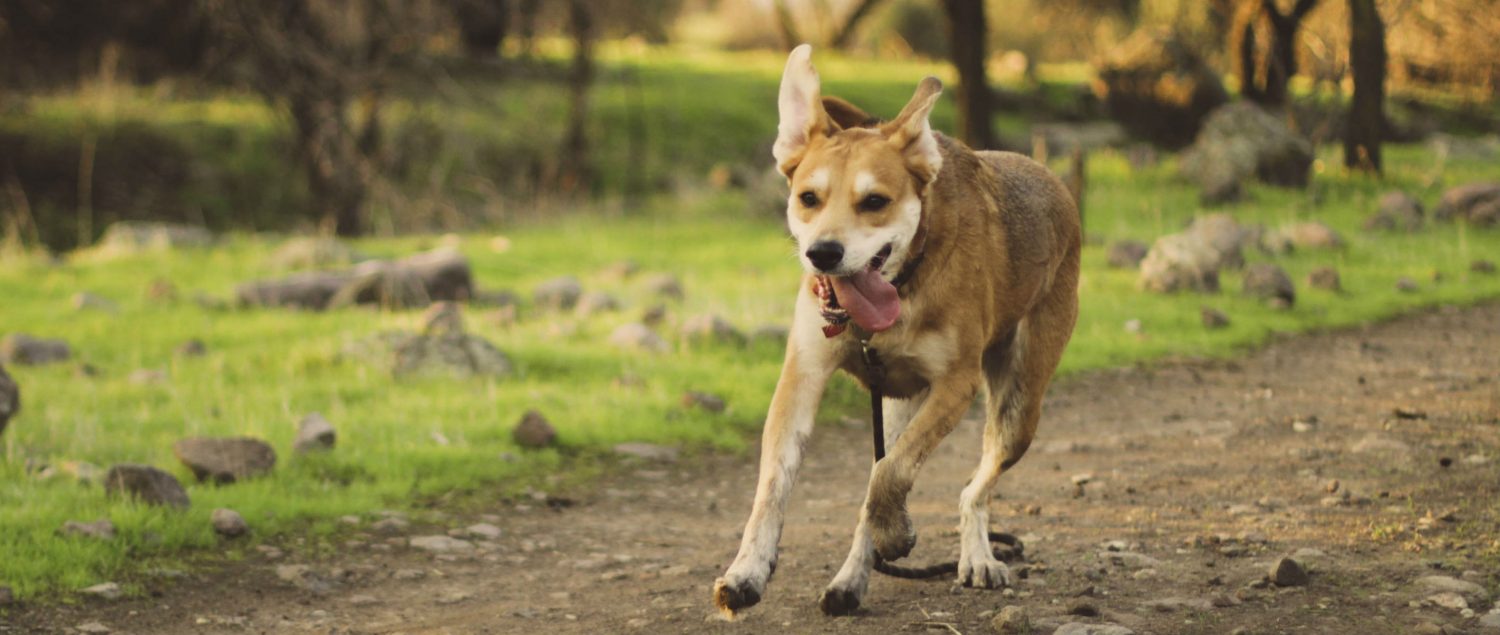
column 991, row 307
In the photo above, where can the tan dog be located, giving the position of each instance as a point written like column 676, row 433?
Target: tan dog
column 983, row 248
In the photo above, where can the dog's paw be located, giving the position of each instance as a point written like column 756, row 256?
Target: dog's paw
column 839, row 601
column 893, row 534
column 731, row 595
column 983, row 572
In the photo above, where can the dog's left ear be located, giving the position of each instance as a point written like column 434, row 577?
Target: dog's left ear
column 801, row 107
column 911, row 133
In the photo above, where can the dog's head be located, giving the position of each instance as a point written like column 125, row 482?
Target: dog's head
column 856, row 189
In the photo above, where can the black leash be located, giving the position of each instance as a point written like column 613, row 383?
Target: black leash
column 1005, row 547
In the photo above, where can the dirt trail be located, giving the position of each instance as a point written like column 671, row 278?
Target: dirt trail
column 1203, row 472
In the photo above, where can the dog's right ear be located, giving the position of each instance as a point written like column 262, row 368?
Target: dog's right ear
column 802, row 116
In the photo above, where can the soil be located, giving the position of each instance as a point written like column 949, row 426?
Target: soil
column 1200, row 476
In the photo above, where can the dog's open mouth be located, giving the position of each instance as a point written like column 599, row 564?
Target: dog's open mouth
column 865, row 297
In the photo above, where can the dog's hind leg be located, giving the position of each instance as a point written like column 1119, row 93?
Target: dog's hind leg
column 884, row 526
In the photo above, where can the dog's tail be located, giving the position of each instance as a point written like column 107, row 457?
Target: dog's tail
column 1009, row 549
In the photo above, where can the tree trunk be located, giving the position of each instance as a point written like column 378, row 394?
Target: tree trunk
column 967, row 31
column 1281, row 59
column 846, row 32
column 482, row 25
column 786, row 25
column 1367, row 111
column 574, row 174
column 527, row 27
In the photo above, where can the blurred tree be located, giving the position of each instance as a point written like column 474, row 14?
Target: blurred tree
column 1367, row 58
column 786, row 25
column 574, row 172
column 967, row 31
column 46, row 44
column 482, row 25
column 845, row 34
column 1267, row 85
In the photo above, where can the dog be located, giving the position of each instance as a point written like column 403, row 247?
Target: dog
column 959, row 267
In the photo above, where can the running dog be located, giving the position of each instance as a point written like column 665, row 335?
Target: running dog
column 959, row 267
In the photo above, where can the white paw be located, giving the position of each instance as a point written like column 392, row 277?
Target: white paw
column 984, row 572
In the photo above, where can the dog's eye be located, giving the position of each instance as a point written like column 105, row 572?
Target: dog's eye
column 873, row 203
column 809, row 199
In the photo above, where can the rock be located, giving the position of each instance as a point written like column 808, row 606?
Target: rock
column 558, row 293
column 1159, row 87
column 191, row 348
column 1126, row 254
column 1445, row 584
column 533, row 431
column 1083, row 609
column 492, row 299
column 85, row 301
column 441, row 544
column 1469, row 202
column 83, row 472
column 442, row 318
column 1011, row 620
column 665, row 285
column 1311, row 235
column 25, row 350
column 93, row 628
column 707, row 401
column 10, row 398
column 1287, row 572
column 620, row 270
column 647, row 451
column 1173, row 604
column 128, row 237
column 225, row 459
column 161, row 290
column 101, row 529
column 1406, row 285
column 1448, row 600
column 1180, row 262
column 146, row 484
column 1213, row 318
column 229, row 523
column 1490, row 620
column 7, row 596
column 413, row 354
column 1240, row 141
column 363, row 600
column 1226, row 236
column 1080, row 628
column 1374, row 443
column 105, row 591
column 414, row 281
column 636, row 336
column 1268, row 282
column 1482, row 266
column 594, row 303
column 314, row 433
column 311, row 252
column 1396, row 210
column 654, row 314
column 1325, row 278
column 711, row 327
column 390, row 526
column 483, row 530
column 147, row 376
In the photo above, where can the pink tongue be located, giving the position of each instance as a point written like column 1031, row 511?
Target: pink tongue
column 870, row 300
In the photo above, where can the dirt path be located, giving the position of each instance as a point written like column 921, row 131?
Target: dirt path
column 1204, row 473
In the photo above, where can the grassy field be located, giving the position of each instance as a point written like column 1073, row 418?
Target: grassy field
column 265, row 369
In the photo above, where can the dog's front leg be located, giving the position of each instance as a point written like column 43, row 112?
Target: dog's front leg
column 803, row 377
column 884, row 526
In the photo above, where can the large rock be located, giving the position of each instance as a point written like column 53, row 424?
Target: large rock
column 1159, row 87
column 1226, row 236
column 1181, row 262
column 1241, row 141
column 10, row 398
column 146, row 484
column 1477, row 203
column 25, row 350
column 225, row 460
column 314, row 434
column 129, row 237
column 533, row 431
column 1269, row 282
column 450, row 354
column 1396, row 210
column 414, row 281
column 558, row 293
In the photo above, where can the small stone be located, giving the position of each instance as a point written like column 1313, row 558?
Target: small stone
column 293, row 573
column 483, row 530
column 101, row 529
column 161, row 290
column 1482, row 266
column 1490, row 620
column 146, row 484
column 93, row 628
column 1213, row 318
column 707, row 401
column 441, row 544
column 1313, row 235
column 647, row 451
column 409, row 574
column 1396, row 211
column 269, row 552
column 85, row 301
column 1082, row 478
column 1133, row 326
column 637, row 336
column 191, row 348
column 594, row 303
column 620, row 270
column 1325, row 278
column 533, row 431
column 1287, row 573
column 105, row 591
column 709, row 327
column 1406, row 285
column 7, row 596
column 1332, row 486
column 1446, row 584
column 453, row 597
column 665, row 285
column 1377, row 444
column 25, row 350
column 495, row 299
column 225, row 459
column 1083, row 609
column 390, row 526
column 146, row 376
column 1011, row 620
column 1173, row 604
column 1126, row 254
column 1080, row 628
column 1448, row 600
column 1269, row 282
column 363, row 600
column 558, row 293
column 654, row 314
column 314, row 434
column 229, row 523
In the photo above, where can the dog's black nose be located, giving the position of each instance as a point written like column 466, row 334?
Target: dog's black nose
column 826, row 254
